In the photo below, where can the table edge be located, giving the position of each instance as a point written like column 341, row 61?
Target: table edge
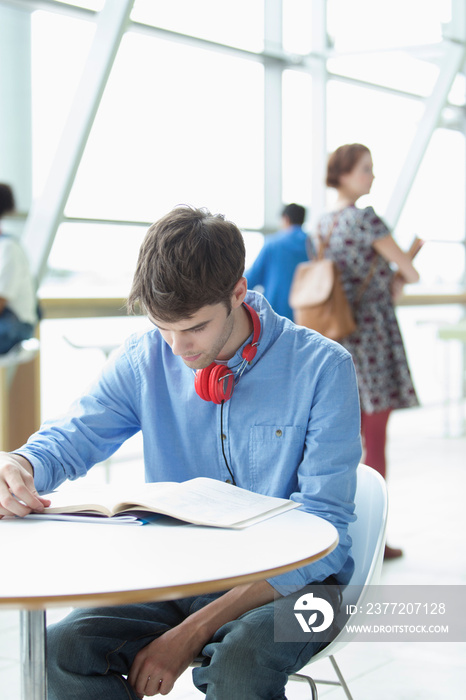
column 146, row 595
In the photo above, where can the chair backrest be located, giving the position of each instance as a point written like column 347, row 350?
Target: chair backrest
column 368, row 531
column 368, row 535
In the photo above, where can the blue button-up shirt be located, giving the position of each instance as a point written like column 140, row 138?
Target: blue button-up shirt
column 291, row 427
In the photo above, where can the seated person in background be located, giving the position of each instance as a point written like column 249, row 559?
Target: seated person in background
column 274, row 267
column 290, row 429
column 17, row 295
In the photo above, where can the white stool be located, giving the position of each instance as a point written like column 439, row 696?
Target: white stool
column 11, row 414
column 25, row 351
column 454, row 331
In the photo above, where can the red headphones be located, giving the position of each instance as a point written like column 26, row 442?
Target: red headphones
column 216, row 382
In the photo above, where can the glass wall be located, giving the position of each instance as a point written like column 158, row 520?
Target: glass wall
column 59, row 47
column 176, row 124
column 185, row 111
column 434, row 210
column 297, row 171
column 183, row 122
column 384, row 122
column 239, row 24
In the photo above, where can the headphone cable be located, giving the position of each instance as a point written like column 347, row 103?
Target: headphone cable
column 222, row 438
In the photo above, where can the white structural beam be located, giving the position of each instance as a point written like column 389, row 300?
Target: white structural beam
column 272, row 115
column 319, row 109
column 47, row 211
column 449, row 67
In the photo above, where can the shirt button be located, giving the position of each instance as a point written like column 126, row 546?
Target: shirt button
column 278, row 433
column 228, row 481
column 224, row 437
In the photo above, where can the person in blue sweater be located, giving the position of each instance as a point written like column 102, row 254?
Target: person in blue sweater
column 221, row 387
column 273, row 269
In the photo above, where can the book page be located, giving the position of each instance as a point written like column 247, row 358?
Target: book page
column 101, row 498
column 201, row 501
column 210, row 502
column 87, row 518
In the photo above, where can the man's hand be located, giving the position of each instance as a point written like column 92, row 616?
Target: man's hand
column 156, row 667
column 18, row 495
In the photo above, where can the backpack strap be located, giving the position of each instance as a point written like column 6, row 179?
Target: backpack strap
column 324, row 241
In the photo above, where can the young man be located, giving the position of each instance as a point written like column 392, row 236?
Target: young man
column 273, row 269
column 276, row 413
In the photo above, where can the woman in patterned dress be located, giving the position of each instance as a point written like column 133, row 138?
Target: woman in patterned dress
column 365, row 253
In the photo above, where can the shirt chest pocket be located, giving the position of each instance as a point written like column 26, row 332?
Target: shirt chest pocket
column 275, row 451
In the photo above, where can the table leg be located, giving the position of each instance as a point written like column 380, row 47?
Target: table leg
column 33, row 655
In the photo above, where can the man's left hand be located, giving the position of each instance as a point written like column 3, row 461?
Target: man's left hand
column 158, row 665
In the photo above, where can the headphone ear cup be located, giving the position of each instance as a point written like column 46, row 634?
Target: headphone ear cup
column 201, row 381
column 214, row 383
column 221, row 383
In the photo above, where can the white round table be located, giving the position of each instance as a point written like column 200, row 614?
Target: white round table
column 49, row 563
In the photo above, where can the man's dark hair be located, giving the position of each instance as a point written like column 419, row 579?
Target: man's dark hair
column 295, row 213
column 189, row 258
column 7, row 200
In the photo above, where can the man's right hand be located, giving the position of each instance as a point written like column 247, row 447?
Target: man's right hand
column 18, row 495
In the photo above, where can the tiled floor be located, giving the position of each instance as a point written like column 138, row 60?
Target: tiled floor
column 427, row 483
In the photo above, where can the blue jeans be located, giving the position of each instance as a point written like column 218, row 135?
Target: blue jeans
column 12, row 330
column 91, row 651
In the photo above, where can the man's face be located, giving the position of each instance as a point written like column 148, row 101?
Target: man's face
column 202, row 338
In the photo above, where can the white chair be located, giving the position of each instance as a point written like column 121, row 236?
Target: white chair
column 368, row 534
column 454, row 332
column 13, row 413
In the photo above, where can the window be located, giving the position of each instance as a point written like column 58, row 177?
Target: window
column 385, row 123
column 297, row 141
column 59, row 48
column 434, row 210
column 364, row 25
column 239, row 23
column 176, row 124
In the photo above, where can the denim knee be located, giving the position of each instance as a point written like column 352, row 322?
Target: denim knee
column 242, row 661
column 68, row 646
column 82, row 643
column 83, row 664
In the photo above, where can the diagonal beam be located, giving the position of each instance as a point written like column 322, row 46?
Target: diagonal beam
column 47, row 212
column 449, row 67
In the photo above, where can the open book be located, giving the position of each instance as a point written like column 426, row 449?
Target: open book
column 415, row 247
column 200, row 501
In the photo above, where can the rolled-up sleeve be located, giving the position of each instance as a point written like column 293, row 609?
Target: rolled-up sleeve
column 93, row 428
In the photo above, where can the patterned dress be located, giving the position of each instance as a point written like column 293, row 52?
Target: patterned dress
column 376, row 346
